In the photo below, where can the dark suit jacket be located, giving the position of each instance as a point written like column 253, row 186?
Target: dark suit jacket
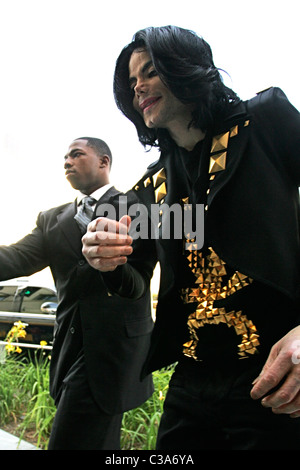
column 113, row 332
column 251, row 213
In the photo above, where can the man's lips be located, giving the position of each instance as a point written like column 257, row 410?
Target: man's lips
column 149, row 102
column 70, row 172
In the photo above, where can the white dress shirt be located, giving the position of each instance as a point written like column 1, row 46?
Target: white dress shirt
column 96, row 194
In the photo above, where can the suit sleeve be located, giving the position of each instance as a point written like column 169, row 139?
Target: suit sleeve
column 132, row 280
column 25, row 257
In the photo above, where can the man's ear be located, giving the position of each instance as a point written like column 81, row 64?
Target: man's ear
column 104, row 161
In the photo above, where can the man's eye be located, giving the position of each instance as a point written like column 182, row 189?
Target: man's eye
column 152, row 73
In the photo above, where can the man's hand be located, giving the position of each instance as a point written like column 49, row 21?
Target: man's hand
column 282, row 365
column 107, row 244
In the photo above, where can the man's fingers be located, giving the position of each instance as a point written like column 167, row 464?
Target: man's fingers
column 102, row 232
column 103, row 238
column 106, row 258
column 92, row 226
column 273, row 372
column 284, row 373
column 115, row 248
column 125, row 222
column 108, row 264
column 107, row 244
column 111, row 251
column 110, row 228
column 286, row 398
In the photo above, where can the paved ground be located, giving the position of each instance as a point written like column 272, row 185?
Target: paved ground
column 10, row 442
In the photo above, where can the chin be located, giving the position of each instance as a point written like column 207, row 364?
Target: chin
column 151, row 124
column 73, row 183
column 154, row 121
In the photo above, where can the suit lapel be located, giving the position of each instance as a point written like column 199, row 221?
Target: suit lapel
column 69, row 227
column 226, row 151
column 111, row 193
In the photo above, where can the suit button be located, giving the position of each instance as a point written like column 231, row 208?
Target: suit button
column 72, row 330
column 81, row 262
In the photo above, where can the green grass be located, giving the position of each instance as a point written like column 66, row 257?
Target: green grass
column 25, row 400
column 139, row 426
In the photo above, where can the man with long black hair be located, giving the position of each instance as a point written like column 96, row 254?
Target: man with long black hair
column 225, row 302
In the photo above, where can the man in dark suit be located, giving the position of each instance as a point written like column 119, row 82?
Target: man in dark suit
column 226, row 298
column 100, row 339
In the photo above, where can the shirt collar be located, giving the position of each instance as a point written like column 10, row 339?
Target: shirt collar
column 96, row 194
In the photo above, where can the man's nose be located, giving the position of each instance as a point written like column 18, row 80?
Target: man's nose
column 67, row 163
column 140, row 87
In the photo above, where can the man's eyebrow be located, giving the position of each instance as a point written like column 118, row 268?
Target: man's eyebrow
column 144, row 68
column 72, row 153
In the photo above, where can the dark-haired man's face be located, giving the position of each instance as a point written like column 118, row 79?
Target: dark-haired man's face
column 152, row 99
column 84, row 168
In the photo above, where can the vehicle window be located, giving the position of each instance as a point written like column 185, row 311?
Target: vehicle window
column 7, row 294
column 25, row 299
column 32, row 298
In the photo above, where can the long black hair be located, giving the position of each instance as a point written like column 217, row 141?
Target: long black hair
column 184, row 63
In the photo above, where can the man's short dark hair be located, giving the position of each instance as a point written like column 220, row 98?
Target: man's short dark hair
column 184, row 63
column 100, row 147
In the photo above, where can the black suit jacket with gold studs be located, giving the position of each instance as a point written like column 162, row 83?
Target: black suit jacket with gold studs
column 251, row 213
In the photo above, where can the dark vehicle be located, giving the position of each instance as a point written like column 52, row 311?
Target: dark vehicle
column 34, row 305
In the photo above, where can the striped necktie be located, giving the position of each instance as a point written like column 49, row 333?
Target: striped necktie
column 85, row 212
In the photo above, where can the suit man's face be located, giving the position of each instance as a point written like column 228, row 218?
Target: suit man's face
column 84, row 168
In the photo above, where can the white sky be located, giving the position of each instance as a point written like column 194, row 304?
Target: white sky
column 57, row 65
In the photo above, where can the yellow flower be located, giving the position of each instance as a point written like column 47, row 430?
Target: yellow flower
column 161, row 396
column 43, row 343
column 9, row 348
column 22, row 334
column 17, row 331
